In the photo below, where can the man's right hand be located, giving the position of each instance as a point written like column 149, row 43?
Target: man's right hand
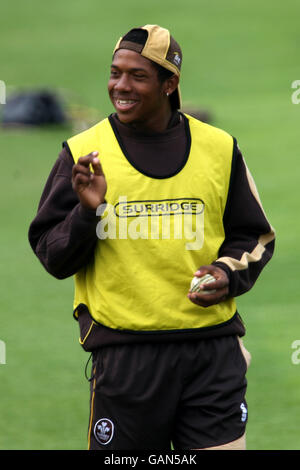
column 90, row 186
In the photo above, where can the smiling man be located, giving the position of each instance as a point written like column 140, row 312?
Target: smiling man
column 138, row 95
column 169, row 364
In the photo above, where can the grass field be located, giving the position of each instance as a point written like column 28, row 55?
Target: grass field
column 240, row 59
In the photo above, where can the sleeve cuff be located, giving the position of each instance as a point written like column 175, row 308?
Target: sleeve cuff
column 229, row 273
column 87, row 214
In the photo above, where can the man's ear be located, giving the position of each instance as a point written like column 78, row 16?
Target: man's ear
column 171, row 84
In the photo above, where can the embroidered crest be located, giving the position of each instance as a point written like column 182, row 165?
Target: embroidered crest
column 104, row 431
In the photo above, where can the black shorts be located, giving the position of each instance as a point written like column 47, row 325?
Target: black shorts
column 147, row 396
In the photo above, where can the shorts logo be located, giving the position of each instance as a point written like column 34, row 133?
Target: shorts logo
column 244, row 412
column 104, row 431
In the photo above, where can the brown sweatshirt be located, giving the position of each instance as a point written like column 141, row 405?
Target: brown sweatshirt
column 63, row 233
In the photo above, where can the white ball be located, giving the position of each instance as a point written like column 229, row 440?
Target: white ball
column 198, row 281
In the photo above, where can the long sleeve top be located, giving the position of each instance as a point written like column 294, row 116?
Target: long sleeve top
column 63, row 233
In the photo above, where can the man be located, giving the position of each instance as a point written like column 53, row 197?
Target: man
column 135, row 207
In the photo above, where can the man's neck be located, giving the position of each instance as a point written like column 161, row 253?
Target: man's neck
column 155, row 127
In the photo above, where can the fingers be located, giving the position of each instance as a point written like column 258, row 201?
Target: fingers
column 88, row 181
column 81, row 171
column 218, row 273
column 92, row 160
column 206, row 300
column 88, row 159
column 219, row 288
column 80, row 181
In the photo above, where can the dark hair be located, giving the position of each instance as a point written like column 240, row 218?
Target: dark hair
column 162, row 73
column 136, row 35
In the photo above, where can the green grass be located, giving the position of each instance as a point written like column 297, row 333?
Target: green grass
column 240, row 59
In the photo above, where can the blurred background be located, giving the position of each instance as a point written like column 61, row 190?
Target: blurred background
column 239, row 62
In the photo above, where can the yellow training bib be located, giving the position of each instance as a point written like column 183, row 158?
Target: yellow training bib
column 154, row 233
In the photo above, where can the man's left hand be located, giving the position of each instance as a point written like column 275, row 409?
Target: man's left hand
column 221, row 286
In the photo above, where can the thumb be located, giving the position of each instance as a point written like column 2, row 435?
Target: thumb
column 202, row 271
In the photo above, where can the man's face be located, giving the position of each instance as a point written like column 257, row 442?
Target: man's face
column 134, row 89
